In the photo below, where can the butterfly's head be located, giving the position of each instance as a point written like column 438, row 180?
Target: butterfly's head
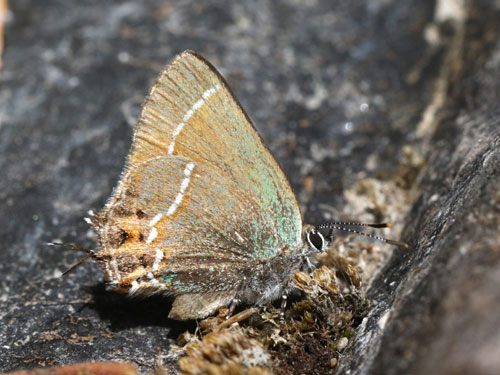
column 315, row 240
column 319, row 241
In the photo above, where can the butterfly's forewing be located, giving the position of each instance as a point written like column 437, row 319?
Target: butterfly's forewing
column 201, row 197
column 191, row 112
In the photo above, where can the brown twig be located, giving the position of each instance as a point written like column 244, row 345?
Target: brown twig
column 4, row 7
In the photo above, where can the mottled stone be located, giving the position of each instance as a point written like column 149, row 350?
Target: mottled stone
column 340, row 91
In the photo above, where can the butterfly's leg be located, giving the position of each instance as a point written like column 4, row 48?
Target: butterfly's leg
column 284, row 299
column 290, row 286
column 330, row 237
column 235, row 302
column 310, row 266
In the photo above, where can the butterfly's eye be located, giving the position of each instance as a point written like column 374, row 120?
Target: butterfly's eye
column 316, row 240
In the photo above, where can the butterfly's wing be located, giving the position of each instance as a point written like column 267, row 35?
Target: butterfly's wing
column 201, row 198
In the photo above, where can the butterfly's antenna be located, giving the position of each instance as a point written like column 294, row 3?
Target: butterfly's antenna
column 342, row 226
column 89, row 252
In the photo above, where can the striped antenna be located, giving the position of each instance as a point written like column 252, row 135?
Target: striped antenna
column 90, row 254
column 355, row 224
column 342, row 226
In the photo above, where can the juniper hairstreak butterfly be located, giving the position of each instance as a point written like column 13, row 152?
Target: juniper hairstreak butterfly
column 202, row 211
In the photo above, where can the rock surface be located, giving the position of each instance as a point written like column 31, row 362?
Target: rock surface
column 340, row 91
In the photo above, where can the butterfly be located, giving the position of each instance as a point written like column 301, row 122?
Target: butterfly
column 202, row 211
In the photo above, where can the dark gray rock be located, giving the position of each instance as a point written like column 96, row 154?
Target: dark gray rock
column 73, row 80
column 436, row 306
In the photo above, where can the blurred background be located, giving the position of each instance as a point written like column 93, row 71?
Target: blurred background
column 377, row 110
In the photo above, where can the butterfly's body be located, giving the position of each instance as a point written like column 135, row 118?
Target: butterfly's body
column 270, row 279
column 202, row 211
